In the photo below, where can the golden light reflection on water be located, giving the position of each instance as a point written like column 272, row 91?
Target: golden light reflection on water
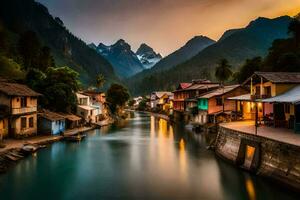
column 182, row 159
column 250, row 188
column 170, row 160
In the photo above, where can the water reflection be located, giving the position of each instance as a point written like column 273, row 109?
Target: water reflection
column 143, row 158
column 250, row 188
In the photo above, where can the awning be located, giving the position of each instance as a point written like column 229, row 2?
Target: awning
column 245, row 97
column 291, row 96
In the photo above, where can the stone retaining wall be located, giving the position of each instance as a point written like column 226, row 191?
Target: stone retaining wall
column 278, row 160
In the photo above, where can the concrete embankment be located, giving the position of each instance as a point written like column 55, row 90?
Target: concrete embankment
column 262, row 156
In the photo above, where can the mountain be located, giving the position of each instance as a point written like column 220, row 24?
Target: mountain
column 124, row 61
column 190, row 49
column 19, row 16
column 147, row 56
column 236, row 46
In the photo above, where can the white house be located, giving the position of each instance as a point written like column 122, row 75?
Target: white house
column 88, row 111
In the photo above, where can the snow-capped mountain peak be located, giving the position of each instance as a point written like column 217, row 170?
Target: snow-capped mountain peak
column 147, row 56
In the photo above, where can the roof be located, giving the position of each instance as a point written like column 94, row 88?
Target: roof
column 53, row 116
column 291, row 96
column 219, row 91
column 70, row 117
column 244, row 97
column 81, row 95
column 278, row 77
column 91, row 92
column 162, row 93
column 16, row 89
column 183, row 85
column 201, row 86
column 86, row 107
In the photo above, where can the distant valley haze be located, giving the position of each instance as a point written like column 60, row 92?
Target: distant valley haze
column 165, row 25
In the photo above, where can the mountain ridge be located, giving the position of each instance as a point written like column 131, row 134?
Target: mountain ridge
column 253, row 40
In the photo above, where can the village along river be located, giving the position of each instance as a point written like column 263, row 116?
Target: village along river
column 142, row 158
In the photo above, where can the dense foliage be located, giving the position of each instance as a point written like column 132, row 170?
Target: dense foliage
column 117, row 96
column 39, row 33
column 283, row 56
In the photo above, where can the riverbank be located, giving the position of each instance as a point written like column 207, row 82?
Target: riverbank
column 260, row 155
column 12, row 151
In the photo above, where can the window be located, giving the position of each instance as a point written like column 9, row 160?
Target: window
column 91, row 112
column 219, row 101
column 23, row 102
column 23, row 122
column 31, row 122
column 287, row 108
column 257, row 90
column 268, row 91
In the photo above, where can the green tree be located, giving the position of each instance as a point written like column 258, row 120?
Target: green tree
column 59, row 89
column 142, row 105
column 131, row 102
column 117, row 96
column 223, row 71
column 45, row 59
column 248, row 68
column 100, row 80
column 294, row 29
column 35, row 79
column 29, row 48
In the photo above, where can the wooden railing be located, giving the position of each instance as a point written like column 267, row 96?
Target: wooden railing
column 258, row 96
column 16, row 111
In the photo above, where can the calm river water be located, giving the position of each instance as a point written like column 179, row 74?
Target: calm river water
column 142, row 158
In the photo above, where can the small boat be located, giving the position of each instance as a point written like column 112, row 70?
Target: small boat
column 75, row 138
column 27, row 149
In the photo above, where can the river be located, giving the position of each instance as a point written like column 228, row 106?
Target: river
column 141, row 158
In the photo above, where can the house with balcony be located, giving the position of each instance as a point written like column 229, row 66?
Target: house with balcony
column 185, row 98
column 180, row 95
column 21, row 106
column 86, row 109
column 158, row 99
column 166, row 103
column 50, row 122
column 263, row 104
column 214, row 107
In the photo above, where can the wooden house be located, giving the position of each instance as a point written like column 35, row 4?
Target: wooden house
column 159, row 99
column 180, row 95
column 185, row 98
column 72, row 121
column 261, row 104
column 214, row 106
column 50, row 122
column 21, row 104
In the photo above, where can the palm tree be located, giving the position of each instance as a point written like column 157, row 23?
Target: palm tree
column 294, row 29
column 223, row 73
column 100, row 81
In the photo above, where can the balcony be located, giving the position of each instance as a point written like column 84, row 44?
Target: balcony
column 258, row 96
column 17, row 111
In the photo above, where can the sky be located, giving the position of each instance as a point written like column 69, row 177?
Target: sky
column 165, row 25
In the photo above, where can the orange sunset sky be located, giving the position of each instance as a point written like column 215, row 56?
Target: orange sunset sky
column 165, row 25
